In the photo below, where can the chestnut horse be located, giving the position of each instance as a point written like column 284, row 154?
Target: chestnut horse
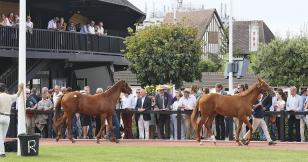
column 102, row 105
column 239, row 106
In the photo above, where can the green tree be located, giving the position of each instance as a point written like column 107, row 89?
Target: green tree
column 168, row 53
column 283, row 62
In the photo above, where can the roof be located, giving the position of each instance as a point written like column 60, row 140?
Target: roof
column 241, row 35
column 209, row 79
column 199, row 19
column 124, row 3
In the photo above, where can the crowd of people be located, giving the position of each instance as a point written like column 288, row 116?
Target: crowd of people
column 56, row 23
column 164, row 126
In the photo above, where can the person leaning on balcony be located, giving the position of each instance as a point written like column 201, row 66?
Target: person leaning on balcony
column 91, row 28
column 100, row 29
column 52, row 24
column 4, row 21
column 61, row 25
column 71, row 27
column 6, row 101
column 29, row 25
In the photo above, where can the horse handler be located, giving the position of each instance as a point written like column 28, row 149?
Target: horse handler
column 258, row 121
column 6, row 101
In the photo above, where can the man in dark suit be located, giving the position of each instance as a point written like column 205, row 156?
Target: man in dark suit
column 219, row 119
column 163, row 102
column 143, row 104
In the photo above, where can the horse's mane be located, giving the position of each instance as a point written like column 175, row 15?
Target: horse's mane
column 248, row 91
column 112, row 87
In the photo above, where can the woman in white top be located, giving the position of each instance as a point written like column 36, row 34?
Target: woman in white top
column 6, row 101
column 173, row 123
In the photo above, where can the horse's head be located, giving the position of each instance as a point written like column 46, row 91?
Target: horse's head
column 125, row 87
column 264, row 87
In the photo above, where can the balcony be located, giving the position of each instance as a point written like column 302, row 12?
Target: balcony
column 43, row 43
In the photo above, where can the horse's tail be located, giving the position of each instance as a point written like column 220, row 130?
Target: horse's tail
column 57, row 109
column 194, row 115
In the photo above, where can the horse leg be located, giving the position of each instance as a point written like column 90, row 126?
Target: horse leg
column 200, row 123
column 69, row 128
column 110, row 126
column 102, row 120
column 245, row 120
column 208, row 126
column 239, row 127
column 58, row 123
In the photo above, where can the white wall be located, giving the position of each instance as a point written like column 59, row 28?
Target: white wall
column 97, row 77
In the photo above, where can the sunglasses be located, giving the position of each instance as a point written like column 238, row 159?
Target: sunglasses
column 137, row 92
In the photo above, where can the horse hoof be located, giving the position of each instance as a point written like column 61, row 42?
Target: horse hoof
column 57, row 139
column 73, row 141
column 201, row 143
column 97, row 141
column 214, row 142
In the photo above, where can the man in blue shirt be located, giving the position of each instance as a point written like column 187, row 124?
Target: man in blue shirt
column 303, row 119
column 258, row 121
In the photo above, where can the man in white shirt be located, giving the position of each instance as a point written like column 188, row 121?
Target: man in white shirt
column 91, row 28
column 29, row 25
column 100, row 29
column 187, row 102
column 127, row 104
column 52, row 24
column 293, row 105
column 6, row 102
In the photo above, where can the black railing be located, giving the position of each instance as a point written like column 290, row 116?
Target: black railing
column 283, row 118
column 63, row 41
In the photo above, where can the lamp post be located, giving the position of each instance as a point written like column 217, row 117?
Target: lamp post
column 230, row 49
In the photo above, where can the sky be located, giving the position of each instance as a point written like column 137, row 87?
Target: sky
column 283, row 17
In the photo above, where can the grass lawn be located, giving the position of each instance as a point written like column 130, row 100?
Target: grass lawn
column 80, row 153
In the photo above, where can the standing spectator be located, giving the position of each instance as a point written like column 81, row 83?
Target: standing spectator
column 100, row 29
column 128, row 104
column 31, row 104
column 143, row 105
column 6, row 102
column 61, row 25
column 91, row 28
column 219, row 119
column 174, row 124
column 258, row 121
column 29, row 25
column 293, row 105
column 194, row 91
column 85, row 29
column 240, row 89
column 4, row 21
column 187, row 102
column 85, row 120
column 52, row 24
column 56, row 94
column 11, row 19
column 71, row 27
column 16, row 18
column 303, row 119
column 163, row 102
column 280, row 106
column 41, row 120
column 34, row 94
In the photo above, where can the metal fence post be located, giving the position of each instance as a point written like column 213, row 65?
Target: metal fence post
column 179, row 119
column 282, row 128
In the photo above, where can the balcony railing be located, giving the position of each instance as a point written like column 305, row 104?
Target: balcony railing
column 62, row 41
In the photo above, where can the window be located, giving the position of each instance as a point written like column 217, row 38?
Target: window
column 213, row 37
column 59, row 81
column 253, row 38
